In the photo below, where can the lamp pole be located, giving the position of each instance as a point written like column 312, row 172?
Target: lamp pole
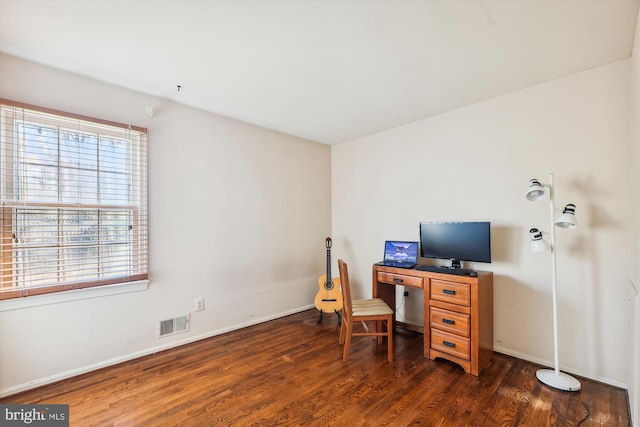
column 555, row 378
column 554, row 275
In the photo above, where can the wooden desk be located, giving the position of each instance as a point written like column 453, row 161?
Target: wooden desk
column 458, row 312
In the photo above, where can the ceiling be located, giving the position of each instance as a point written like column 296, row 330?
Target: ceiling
column 325, row 70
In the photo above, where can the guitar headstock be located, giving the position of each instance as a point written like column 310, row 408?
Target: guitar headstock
column 327, row 242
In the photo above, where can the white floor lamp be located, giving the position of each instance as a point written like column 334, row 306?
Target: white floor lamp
column 567, row 219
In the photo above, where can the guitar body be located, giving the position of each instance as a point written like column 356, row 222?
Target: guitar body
column 329, row 297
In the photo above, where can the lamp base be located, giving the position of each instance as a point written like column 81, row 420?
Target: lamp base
column 558, row 380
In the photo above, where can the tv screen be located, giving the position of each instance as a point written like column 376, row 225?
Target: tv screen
column 457, row 241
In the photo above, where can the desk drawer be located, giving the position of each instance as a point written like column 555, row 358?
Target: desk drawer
column 400, row 279
column 450, row 344
column 450, row 321
column 451, row 292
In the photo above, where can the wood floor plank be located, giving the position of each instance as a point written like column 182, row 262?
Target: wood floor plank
column 289, row 372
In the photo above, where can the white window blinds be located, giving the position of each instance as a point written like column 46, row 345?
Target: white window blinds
column 73, row 201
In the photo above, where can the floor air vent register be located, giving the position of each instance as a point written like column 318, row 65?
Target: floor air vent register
column 173, row 326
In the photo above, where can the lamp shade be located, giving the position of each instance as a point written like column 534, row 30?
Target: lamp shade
column 568, row 217
column 538, row 244
column 535, row 191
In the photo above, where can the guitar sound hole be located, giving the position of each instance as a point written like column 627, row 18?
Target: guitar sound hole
column 328, row 286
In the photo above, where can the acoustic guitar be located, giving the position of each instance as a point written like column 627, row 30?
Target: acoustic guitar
column 329, row 297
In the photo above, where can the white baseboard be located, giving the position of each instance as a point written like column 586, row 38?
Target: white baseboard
column 548, row 363
column 131, row 356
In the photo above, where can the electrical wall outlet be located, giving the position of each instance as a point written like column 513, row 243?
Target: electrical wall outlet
column 406, row 293
column 199, row 304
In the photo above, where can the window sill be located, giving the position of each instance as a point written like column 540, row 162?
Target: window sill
column 73, row 295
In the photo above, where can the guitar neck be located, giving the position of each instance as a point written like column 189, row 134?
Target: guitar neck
column 328, row 264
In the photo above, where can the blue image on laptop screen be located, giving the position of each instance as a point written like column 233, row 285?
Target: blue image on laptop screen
column 405, row 252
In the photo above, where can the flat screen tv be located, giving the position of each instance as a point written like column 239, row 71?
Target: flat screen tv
column 457, row 241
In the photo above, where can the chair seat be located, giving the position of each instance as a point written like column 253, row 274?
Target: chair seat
column 370, row 307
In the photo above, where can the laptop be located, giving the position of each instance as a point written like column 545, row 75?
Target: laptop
column 400, row 254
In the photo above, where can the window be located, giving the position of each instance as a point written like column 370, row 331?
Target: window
column 73, row 201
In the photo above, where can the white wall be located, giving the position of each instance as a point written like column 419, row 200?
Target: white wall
column 474, row 163
column 238, row 215
column 634, row 232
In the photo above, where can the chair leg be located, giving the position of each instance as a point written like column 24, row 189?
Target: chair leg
column 347, row 341
column 343, row 327
column 390, row 339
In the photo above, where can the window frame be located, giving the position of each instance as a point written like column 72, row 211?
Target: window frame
column 139, row 263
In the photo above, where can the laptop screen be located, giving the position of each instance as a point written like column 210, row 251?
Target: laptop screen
column 405, row 252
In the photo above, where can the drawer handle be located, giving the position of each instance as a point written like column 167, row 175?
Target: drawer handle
column 396, row 280
column 448, row 344
column 449, row 291
column 449, row 322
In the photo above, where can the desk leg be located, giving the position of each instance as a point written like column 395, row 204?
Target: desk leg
column 426, row 316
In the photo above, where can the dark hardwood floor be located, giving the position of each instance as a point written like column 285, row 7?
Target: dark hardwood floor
column 289, row 372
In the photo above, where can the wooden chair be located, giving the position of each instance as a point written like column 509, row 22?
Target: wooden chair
column 373, row 309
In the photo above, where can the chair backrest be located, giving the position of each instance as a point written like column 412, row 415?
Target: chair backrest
column 346, row 288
